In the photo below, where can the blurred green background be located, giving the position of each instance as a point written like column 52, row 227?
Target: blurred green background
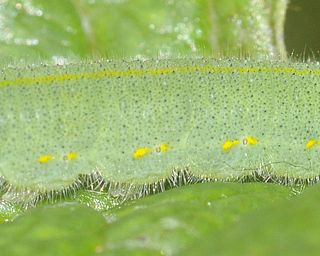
column 62, row 29
column 302, row 29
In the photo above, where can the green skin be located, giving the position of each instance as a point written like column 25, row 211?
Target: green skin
column 195, row 110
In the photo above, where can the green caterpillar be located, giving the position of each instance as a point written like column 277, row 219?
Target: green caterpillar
column 135, row 122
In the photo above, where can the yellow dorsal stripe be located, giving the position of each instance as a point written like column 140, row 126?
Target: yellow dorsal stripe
column 156, row 72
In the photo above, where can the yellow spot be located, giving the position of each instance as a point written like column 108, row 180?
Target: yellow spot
column 71, row 156
column 228, row 144
column 45, row 158
column 250, row 141
column 163, row 148
column 311, row 143
column 140, row 152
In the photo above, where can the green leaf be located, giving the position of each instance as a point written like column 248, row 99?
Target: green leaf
column 64, row 29
column 65, row 229
column 8, row 211
column 289, row 228
column 167, row 223
column 41, row 29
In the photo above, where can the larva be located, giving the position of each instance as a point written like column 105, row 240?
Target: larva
column 137, row 121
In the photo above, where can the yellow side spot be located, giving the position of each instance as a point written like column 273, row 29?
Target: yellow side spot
column 45, row 158
column 250, row 141
column 311, row 143
column 71, row 156
column 163, row 148
column 140, row 152
column 228, row 144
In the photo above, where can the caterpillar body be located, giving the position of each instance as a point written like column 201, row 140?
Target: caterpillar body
column 136, row 121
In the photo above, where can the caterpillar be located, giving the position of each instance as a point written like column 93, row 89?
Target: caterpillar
column 137, row 121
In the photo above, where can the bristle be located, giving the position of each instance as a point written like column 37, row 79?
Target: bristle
column 122, row 192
